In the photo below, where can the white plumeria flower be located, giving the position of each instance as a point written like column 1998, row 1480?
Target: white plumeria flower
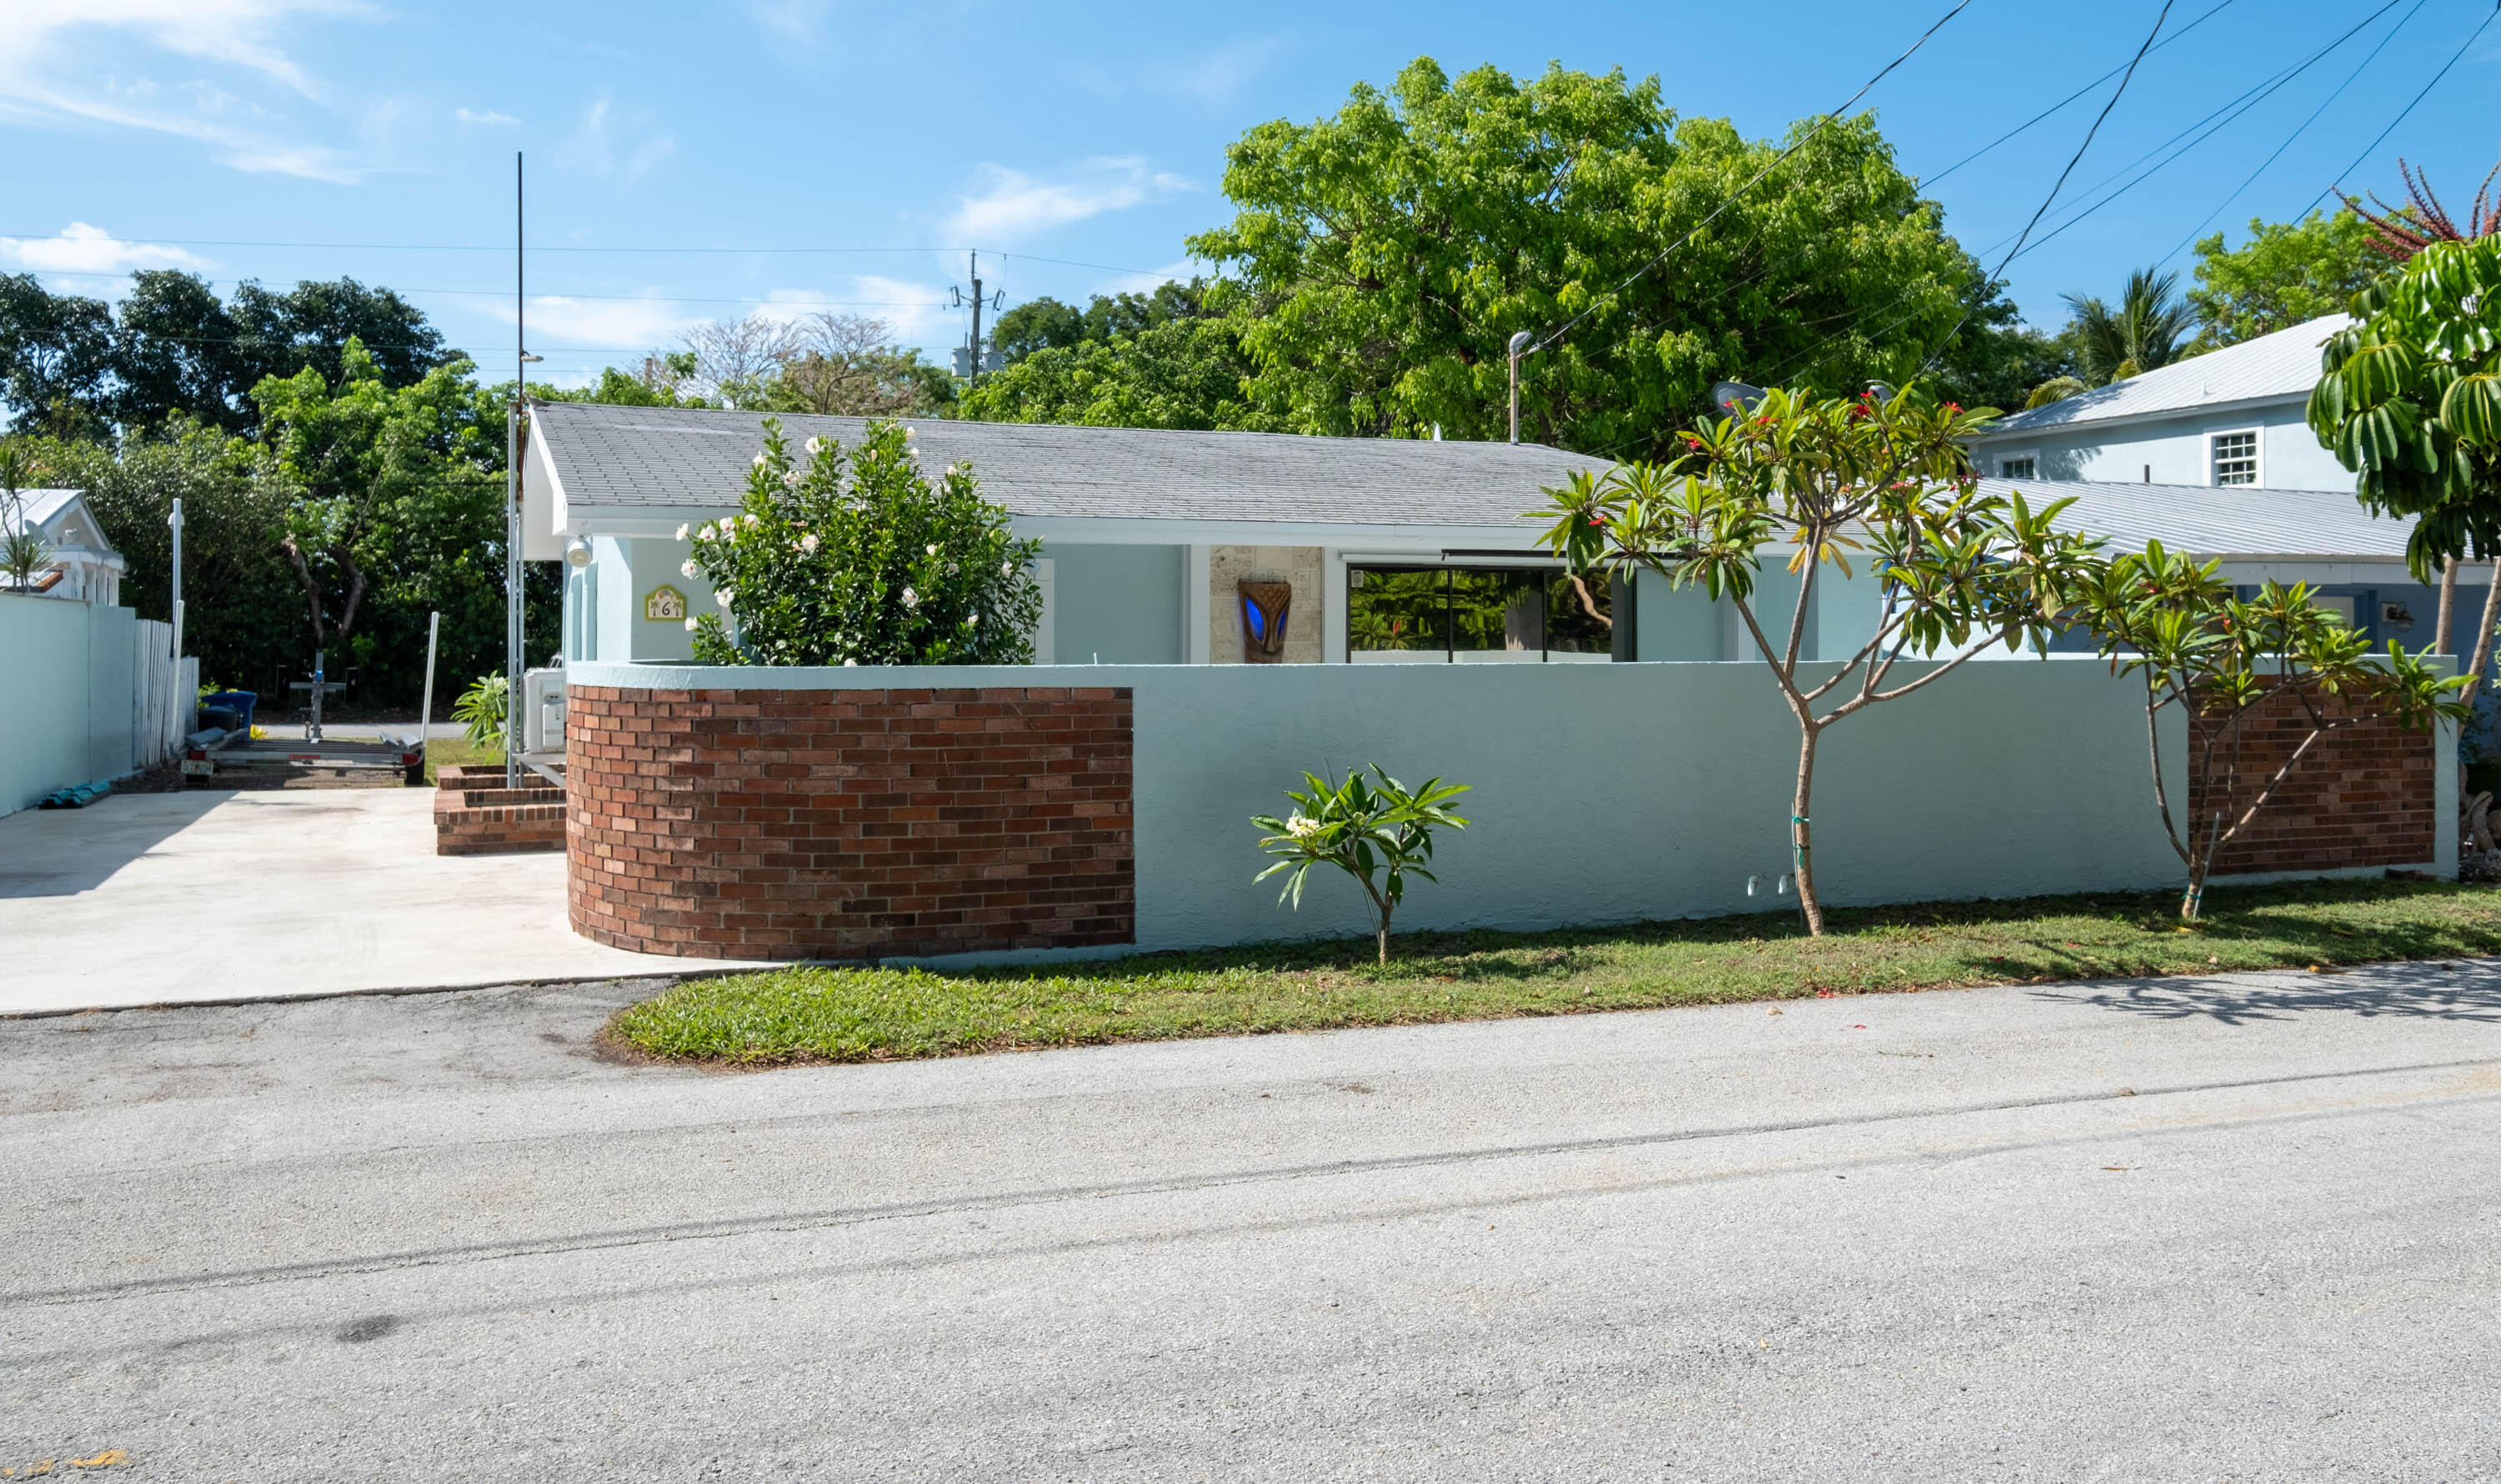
column 723, row 597
column 682, row 534
column 686, row 569
column 1302, row 829
column 911, row 600
column 808, row 543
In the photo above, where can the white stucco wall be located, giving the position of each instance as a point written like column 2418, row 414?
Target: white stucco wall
column 67, row 670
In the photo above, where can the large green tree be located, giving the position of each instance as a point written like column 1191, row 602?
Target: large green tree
column 2286, row 273
column 1382, row 258
column 1184, row 373
column 241, row 611
column 55, row 357
column 398, row 510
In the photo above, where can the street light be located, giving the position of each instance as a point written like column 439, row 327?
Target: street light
column 1519, row 346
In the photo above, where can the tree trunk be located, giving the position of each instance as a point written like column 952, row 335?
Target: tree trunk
column 1800, row 841
column 2446, row 628
column 2483, row 655
column 1384, row 939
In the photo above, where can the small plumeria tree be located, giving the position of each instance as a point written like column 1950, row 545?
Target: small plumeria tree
column 857, row 558
column 1363, row 829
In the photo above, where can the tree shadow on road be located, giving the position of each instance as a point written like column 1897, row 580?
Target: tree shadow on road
column 2459, row 992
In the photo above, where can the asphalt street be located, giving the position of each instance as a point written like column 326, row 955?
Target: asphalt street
column 2245, row 1228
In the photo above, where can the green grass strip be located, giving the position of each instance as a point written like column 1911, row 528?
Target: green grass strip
column 882, row 1014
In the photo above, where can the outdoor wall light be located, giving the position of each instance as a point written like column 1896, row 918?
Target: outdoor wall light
column 2396, row 616
column 577, row 552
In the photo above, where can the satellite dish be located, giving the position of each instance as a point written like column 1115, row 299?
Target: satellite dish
column 1734, row 397
column 1883, row 391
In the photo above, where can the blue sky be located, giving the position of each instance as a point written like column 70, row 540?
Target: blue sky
column 1074, row 146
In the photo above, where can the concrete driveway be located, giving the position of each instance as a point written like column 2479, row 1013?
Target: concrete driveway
column 2230, row 1229
column 164, row 898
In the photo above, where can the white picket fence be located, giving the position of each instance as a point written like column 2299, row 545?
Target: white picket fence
column 163, row 693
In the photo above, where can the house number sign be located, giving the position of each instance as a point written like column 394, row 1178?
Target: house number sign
column 664, row 603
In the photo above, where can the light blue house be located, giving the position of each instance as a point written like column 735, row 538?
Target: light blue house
column 2231, row 417
column 1393, row 550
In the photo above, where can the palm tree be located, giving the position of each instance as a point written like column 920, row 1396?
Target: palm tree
column 2145, row 331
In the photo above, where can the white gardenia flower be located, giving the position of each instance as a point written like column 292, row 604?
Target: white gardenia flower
column 760, row 461
column 851, row 664
column 931, row 550
column 1007, row 569
column 816, row 444
column 911, row 600
column 690, row 625
column 911, row 433
column 723, row 597
column 951, row 569
column 975, row 622
column 808, row 543
column 682, row 534
column 686, row 569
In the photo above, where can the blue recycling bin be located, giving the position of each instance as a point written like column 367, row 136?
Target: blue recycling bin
column 240, row 702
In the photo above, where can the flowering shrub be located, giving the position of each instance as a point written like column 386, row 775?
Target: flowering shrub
column 855, row 556
column 1363, row 829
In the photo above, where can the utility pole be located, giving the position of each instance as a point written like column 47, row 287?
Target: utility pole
column 973, row 353
column 1519, row 346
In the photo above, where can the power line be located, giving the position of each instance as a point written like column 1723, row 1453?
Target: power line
column 462, row 247
column 1738, row 194
column 2349, row 78
column 2227, row 113
column 621, row 298
column 2337, row 185
column 2070, row 98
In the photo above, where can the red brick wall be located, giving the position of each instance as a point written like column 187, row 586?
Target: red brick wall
column 497, row 820
column 2362, row 797
column 773, row 824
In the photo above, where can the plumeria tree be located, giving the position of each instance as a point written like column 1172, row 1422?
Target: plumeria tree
column 1823, row 478
column 858, row 557
column 2409, row 400
column 2174, row 623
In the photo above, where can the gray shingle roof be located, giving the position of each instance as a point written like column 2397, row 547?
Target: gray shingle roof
column 631, row 457
column 2283, row 364
column 2229, row 521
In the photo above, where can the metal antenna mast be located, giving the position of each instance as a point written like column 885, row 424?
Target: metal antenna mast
column 971, row 364
column 512, row 509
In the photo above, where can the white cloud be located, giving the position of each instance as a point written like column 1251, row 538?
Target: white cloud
column 1010, row 204
column 556, row 322
column 603, row 142
column 1183, row 269
column 84, row 248
column 799, row 20
column 490, row 116
column 86, row 63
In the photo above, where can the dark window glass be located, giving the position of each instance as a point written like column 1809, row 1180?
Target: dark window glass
column 1569, row 627
column 1397, row 611
column 1498, row 611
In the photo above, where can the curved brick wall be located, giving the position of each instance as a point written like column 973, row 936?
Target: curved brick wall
column 772, row 823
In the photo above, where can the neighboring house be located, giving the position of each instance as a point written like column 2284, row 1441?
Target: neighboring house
column 83, row 564
column 2230, row 417
column 1393, row 550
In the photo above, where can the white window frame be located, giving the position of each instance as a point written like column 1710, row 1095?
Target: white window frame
column 2257, row 455
column 2010, row 456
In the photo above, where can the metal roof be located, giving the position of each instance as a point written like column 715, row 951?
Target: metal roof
column 2283, row 364
column 2226, row 521
column 678, row 458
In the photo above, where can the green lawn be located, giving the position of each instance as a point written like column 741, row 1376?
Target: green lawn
column 872, row 1014
column 459, row 752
